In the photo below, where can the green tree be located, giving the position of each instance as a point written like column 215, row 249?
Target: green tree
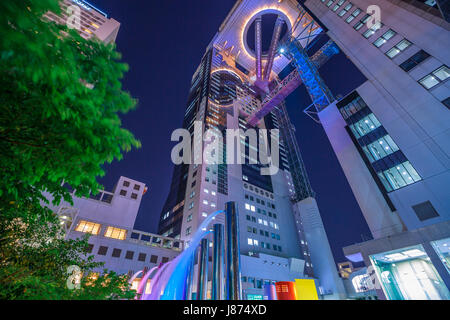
column 53, row 126
column 34, row 260
column 60, row 100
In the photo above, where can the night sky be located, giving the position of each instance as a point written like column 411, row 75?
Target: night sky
column 163, row 42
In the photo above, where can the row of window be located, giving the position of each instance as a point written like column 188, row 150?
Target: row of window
column 124, row 193
column 263, row 233
column 256, row 190
column 94, row 228
column 259, row 201
column 429, row 81
column 266, row 245
column 116, row 253
column 127, row 184
column 263, row 222
column 399, row 176
column 395, row 172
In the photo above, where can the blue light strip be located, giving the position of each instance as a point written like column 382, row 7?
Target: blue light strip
column 318, row 91
column 89, row 6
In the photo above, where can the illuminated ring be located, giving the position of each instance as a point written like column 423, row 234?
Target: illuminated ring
column 286, row 19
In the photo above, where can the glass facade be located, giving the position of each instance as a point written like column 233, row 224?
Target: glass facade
column 392, row 168
column 399, row 176
column 408, row 274
column 442, row 248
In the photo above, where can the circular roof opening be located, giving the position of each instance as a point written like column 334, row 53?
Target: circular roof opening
column 267, row 28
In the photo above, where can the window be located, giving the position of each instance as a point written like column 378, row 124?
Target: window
column 425, row 211
column 164, row 259
column 134, row 196
column 361, row 22
column 345, row 10
column 380, row 148
column 153, row 259
column 435, row 77
column 116, row 233
column 142, row 256
column 250, row 241
column 399, row 176
column 446, row 102
column 365, row 125
column 384, row 38
column 191, row 205
column 88, row 227
column 329, row 3
column 188, row 230
column 189, row 218
column 123, row 193
column 137, row 187
column 353, row 15
column 414, row 60
column 337, row 5
column 126, row 183
column 129, row 255
column 134, row 235
column 116, row 253
column 102, row 250
column 399, row 47
column 369, row 32
column 352, row 107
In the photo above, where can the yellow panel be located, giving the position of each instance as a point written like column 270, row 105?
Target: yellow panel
column 306, row 289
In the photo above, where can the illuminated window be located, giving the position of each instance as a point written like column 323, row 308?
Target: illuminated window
column 353, row 15
column 439, row 75
column 345, row 10
column 365, row 125
column 399, row 176
column 116, row 233
column 369, row 32
column 399, row 47
column 384, row 38
column 380, row 148
column 88, row 227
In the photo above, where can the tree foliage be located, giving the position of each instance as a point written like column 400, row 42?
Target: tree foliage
column 60, row 100
column 53, row 126
column 34, row 261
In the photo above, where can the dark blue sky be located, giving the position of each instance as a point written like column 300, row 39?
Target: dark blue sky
column 163, row 42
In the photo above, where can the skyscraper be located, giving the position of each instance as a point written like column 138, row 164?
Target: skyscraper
column 391, row 136
column 236, row 73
